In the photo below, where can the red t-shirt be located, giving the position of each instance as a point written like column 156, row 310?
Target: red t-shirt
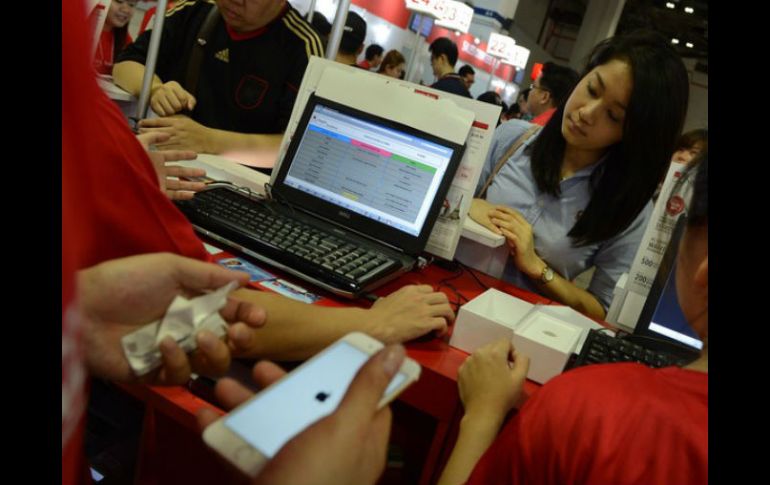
column 606, row 424
column 105, row 51
column 543, row 117
column 111, row 207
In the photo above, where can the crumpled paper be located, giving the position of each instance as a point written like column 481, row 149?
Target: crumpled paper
column 182, row 322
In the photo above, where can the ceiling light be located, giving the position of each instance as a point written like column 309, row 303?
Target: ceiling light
column 689, row 9
column 689, row 44
column 674, row 41
column 669, row 5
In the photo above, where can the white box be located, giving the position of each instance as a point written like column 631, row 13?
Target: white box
column 488, row 317
column 548, row 335
column 548, row 341
column 482, row 249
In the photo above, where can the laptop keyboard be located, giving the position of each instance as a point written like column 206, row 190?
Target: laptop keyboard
column 600, row 348
column 311, row 247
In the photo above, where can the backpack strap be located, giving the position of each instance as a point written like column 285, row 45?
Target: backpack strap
column 508, row 153
column 196, row 55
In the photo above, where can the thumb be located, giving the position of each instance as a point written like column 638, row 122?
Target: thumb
column 152, row 137
column 369, row 384
column 191, row 102
column 520, row 367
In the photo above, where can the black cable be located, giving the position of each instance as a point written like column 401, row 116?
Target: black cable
column 470, row 270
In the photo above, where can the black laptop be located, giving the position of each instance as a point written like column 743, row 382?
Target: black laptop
column 351, row 207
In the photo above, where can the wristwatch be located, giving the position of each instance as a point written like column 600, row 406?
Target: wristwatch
column 546, row 276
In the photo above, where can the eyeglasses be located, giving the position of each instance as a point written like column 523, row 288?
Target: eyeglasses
column 541, row 88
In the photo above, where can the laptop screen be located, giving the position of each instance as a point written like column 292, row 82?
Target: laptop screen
column 661, row 316
column 381, row 173
column 375, row 176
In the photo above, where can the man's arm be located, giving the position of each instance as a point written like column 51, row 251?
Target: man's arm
column 187, row 134
column 129, row 74
column 490, row 386
column 296, row 331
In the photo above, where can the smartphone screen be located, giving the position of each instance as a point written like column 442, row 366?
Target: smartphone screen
column 300, row 399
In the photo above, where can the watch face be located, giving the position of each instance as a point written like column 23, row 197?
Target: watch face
column 547, row 275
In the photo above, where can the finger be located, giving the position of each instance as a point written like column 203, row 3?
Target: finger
column 176, row 366
column 181, row 171
column 266, row 373
column 513, row 239
column 424, row 288
column 519, row 370
column 167, row 109
column 212, row 357
column 439, row 325
column 205, row 417
column 152, row 137
column 241, row 311
column 198, row 275
column 444, row 311
column 174, row 184
column 191, row 102
column 436, row 298
column 241, row 339
column 180, row 194
column 231, row 393
column 360, row 401
column 154, row 122
column 177, row 100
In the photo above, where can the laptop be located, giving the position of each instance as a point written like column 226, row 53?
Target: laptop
column 352, row 205
column 662, row 335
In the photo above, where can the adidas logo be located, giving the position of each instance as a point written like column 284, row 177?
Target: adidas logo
column 223, row 55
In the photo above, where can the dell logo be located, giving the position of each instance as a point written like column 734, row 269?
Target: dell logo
column 344, row 214
column 322, row 396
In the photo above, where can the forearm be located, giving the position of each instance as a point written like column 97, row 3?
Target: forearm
column 296, row 331
column 477, row 432
column 129, row 76
column 246, row 147
column 564, row 291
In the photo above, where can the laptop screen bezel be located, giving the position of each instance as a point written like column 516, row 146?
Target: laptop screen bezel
column 351, row 220
column 666, row 267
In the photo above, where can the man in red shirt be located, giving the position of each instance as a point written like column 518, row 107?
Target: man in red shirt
column 608, row 423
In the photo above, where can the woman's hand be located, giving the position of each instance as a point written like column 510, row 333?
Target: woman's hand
column 521, row 241
column 480, row 210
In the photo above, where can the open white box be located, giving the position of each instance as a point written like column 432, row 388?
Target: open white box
column 547, row 334
column 548, row 341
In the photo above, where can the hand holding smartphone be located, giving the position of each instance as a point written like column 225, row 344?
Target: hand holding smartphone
column 252, row 434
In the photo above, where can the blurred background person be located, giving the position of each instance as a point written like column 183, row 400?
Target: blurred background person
column 114, row 36
column 393, row 64
column 372, row 57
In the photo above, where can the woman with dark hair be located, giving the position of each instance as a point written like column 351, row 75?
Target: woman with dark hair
column 602, row 423
column 393, row 64
column 578, row 194
column 114, row 36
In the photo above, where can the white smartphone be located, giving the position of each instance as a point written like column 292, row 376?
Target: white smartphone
column 251, row 434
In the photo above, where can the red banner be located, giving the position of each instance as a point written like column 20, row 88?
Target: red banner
column 393, row 11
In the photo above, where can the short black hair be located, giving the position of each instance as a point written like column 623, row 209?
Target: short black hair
column 444, row 45
column 320, row 24
column 491, row 97
column 353, row 34
column 559, row 81
column 373, row 51
column 465, row 70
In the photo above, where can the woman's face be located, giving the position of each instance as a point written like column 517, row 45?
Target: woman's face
column 596, row 109
column 395, row 71
column 120, row 12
